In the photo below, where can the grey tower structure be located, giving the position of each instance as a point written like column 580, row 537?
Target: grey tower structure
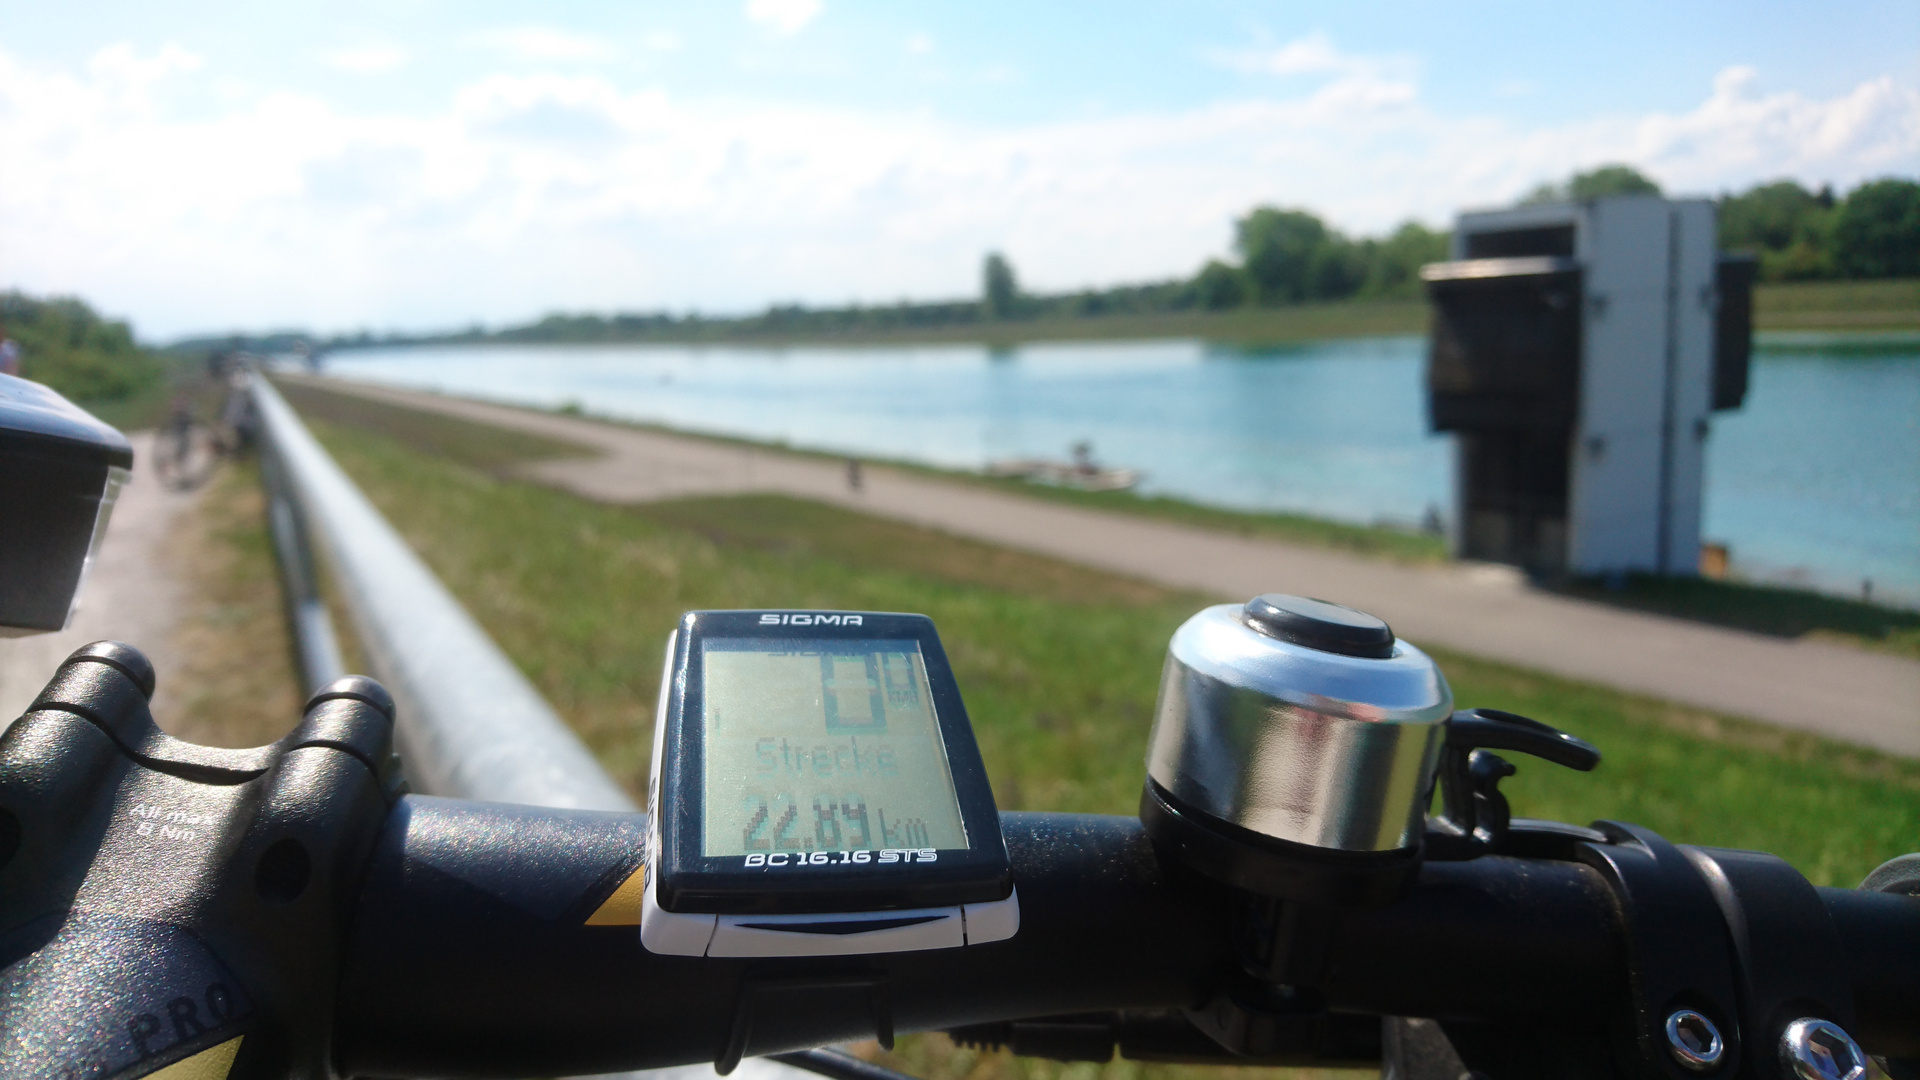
column 1578, row 350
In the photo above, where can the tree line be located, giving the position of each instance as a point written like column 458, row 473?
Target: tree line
column 65, row 344
column 1282, row 256
column 1288, row 256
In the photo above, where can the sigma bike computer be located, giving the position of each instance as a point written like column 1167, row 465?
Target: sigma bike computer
column 816, row 790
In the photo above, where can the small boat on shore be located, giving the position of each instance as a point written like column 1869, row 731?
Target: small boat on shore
column 1082, row 472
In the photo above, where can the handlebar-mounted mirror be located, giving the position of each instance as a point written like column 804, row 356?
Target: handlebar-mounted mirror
column 60, row 470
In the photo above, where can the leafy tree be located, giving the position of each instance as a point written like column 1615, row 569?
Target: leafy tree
column 1393, row 263
column 1877, row 231
column 68, row 346
column 1291, row 255
column 1284, row 252
column 1787, row 226
column 1594, row 184
column 1338, row 269
column 1002, row 291
column 1220, row 286
column 1610, row 180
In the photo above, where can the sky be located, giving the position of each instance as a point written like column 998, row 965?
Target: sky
column 419, row 164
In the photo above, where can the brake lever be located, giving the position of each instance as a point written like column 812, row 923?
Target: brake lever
column 1475, row 818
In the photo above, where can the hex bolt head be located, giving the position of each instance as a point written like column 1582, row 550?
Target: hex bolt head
column 1694, row 1042
column 1814, row 1049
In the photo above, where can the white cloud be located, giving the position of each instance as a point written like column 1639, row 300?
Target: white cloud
column 120, row 69
column 662, row 41
column 919, row 44
column 782, row 16
column 1369, row 81
column 536, row 191
column 368, row 59
column 1314, row 54
column 543, row 43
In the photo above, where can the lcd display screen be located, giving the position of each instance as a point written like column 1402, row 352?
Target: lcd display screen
column 822, row 745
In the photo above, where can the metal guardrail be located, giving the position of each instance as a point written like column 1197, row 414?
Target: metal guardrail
column 470, row 725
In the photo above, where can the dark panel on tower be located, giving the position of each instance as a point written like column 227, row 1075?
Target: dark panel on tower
column 1551, row 240
column 1733, row 329
column 1514, row 506
column 1505, row 351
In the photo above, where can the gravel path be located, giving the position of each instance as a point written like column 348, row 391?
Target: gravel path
column 1866, row 698
column 132, row 594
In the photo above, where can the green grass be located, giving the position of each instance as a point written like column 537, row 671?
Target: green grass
column 1382, row 541
column 1246, row 325
column 1838, row 305
column 1818, row 305
column 487, row 448
column 1761, row 609
column 1249, row 325
column 1059, row 664
column 146, row 402
column 145, row 408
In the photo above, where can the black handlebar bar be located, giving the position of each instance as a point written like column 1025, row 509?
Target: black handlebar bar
column 471, row 961
column 288, row 908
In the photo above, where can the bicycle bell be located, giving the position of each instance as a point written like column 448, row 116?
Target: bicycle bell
column 1293, row 750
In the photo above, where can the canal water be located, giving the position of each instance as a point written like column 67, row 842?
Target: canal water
column 1816, row 482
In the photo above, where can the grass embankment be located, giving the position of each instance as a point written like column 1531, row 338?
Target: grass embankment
column 236, row 675
column 1838, row 305
column 148, row 402
column 1059, row 664
column 1297, row 322
column 1762, row 609
column 1817, row 305
column 1382, row 541
column 1822, row 305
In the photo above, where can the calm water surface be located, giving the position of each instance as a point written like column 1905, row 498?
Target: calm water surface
column 1816, row 481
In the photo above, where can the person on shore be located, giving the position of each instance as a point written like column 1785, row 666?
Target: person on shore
column 9, row 354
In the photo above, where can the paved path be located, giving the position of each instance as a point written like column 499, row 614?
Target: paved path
column 1861, row 697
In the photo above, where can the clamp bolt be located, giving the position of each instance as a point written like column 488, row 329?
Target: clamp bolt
column 1696, row 1044
column 1814, row 1049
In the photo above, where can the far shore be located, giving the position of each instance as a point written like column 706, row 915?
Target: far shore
column 1837, row 307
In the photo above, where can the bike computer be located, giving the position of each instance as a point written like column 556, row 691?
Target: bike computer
column 816, row 790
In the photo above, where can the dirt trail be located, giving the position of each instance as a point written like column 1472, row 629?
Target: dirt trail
column 186, row 577
column 1856, row 696
column 133, row 594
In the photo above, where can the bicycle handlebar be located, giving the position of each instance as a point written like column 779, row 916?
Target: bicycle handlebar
column 467, row 963
column 287, row 907
column 464, row 962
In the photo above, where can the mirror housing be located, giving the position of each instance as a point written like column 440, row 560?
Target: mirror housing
column 60, row 470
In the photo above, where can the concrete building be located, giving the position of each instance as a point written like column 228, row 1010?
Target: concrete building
column 1578, row 350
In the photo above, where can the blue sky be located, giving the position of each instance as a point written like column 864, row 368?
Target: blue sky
column 415, row 164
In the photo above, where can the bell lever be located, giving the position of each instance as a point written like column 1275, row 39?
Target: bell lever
column 1475, row 819
column 1493, row 729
